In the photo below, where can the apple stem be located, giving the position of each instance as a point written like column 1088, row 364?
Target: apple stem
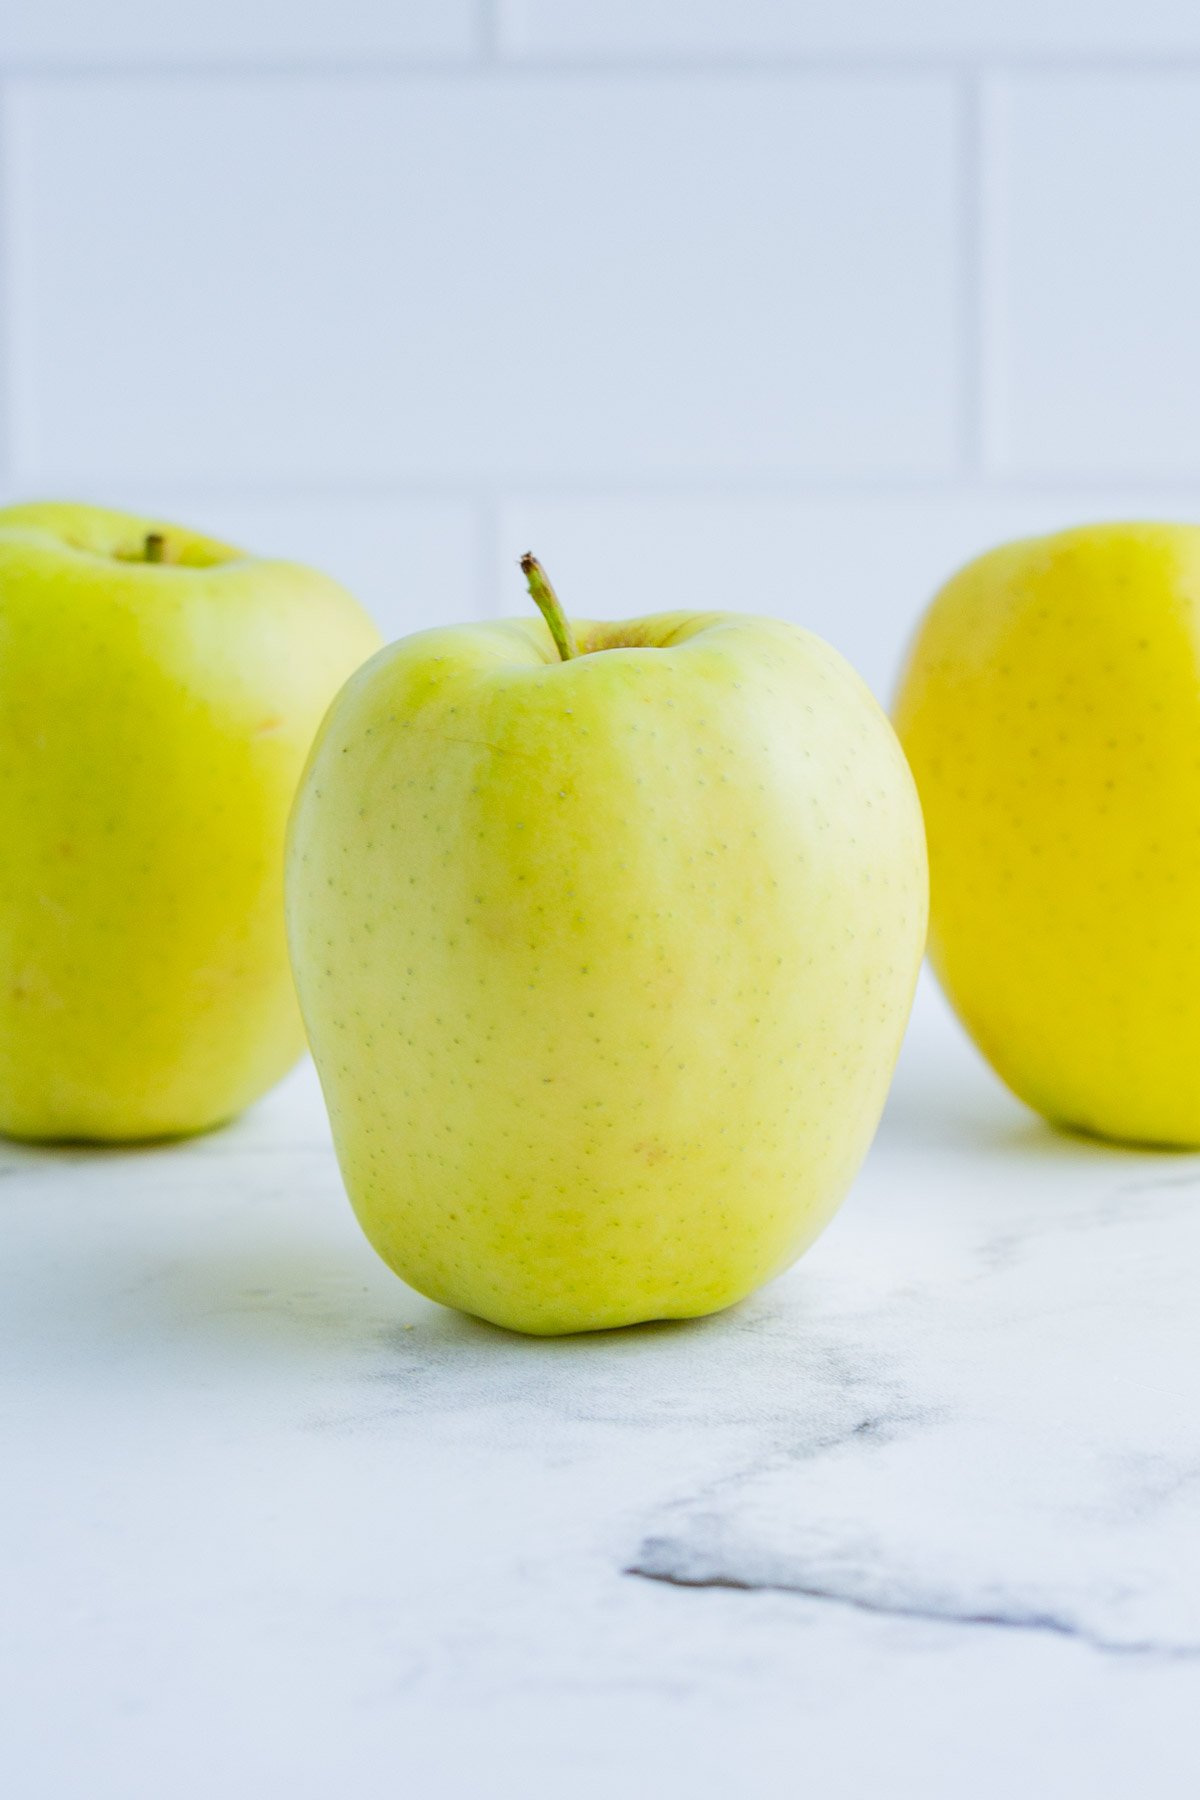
column 154, row 547
column 550, row 607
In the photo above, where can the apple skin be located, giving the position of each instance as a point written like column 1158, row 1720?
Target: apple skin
column 154, row 721
column 1051, row 712
column 605, row 962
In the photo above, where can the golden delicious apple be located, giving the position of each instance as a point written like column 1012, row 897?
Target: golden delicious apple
column 605, row 939
column 1051, row 713
column 158, row 695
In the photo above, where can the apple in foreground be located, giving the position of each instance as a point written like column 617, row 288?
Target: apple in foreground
column 1051, row 713
column 605, row 938
column 159, row 693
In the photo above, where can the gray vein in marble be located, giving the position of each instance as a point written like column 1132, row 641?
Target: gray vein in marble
column 1036, row 1465
column 669, row 1561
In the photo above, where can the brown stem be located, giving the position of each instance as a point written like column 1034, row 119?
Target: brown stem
column 550, row 607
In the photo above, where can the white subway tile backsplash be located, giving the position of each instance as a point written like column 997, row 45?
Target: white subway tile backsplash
column 412, row 563
column 153, row 31
column 1093, row 276
column 450, row 279
column 707, row 28
column 857, row 570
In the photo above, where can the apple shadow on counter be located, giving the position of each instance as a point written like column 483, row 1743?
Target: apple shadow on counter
column 301, row 1299
column 965, row 1121
column 322, row 1295
column 946, row 1099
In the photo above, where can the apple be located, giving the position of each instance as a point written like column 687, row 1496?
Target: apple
column 605, row 936
column 159, row 692
column 1051, row 712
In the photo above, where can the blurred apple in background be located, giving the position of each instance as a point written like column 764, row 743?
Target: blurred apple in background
column 158, row 695
column 606, row 938
column 1051, row 713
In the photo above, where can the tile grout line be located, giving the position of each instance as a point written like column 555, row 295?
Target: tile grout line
column 972, row 349
column 488, row 32
column 956, row 486
column 993, row 390
column 497, row 61
column 487, row 536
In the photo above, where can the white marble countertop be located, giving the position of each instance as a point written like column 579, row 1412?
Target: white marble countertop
column 923, row 1518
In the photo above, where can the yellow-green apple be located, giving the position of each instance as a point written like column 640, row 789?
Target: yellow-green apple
column 1051, row 711
column 605, row 938
column 159, row 692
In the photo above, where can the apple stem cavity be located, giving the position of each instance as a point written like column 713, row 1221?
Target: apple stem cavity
column 154, row 548
column 550, row 607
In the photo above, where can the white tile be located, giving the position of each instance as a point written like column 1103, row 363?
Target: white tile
column 520, row 277
column 411, row 562
column 859, row 572
column 1093, row 276
column 631, row 28
column 141, row 31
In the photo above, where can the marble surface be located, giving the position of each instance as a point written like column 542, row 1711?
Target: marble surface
column 923, row 1518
